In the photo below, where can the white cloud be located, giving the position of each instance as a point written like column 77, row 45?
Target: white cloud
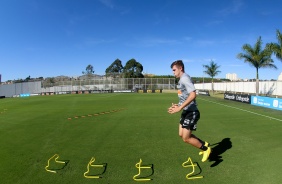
column 187, row 38
column 188, row 60
column 235, row 7
column 214, row 23
column 233, row 65
column 209, row 59
column 122, row 10
column 204, row 43
column 108, row 3
column 149, row 42
column 91, row 41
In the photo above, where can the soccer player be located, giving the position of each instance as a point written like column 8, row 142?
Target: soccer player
column 190, row 114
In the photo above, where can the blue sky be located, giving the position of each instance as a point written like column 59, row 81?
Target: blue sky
column 47, row 38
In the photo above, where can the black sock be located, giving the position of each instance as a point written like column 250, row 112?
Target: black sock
column 203, row 147
column 203, row 143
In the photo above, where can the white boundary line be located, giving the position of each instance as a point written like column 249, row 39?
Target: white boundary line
column 243, row 110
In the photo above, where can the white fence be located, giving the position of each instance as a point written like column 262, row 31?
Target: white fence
column 267, row 88
column 110, row 84
column 10, row 90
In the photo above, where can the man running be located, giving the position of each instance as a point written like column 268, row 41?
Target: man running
column 190, row 114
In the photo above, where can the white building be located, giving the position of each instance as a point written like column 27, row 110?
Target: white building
column 280, row 77
column 232, row 76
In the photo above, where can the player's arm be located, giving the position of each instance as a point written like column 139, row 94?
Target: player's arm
column 175, row 109
column 173, row 105
column 191, row 97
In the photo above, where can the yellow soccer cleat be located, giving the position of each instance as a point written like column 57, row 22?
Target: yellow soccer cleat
column 206, row 154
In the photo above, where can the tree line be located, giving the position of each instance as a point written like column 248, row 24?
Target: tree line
column 132, row 69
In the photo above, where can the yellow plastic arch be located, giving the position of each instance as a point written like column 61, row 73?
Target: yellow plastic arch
column 193, row 169
column 56, row 160
column 92, row 165
column 139, row 167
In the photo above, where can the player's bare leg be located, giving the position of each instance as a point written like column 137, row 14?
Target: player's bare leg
column 189, row 138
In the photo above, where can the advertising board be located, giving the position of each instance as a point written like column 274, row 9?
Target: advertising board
column 273, row 103
column 238, row 97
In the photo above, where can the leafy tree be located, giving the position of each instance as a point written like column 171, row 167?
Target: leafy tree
column 49, row 82
column 52, row 80
column 212, row 70
column 27, row 79
column 133, row 69
column 89, row 70
column 257, row 57
column 276, row 48
column 115, row 68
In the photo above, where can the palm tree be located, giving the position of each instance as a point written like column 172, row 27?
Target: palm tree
column 257, row 57
column 212, row 70
column 276, row 48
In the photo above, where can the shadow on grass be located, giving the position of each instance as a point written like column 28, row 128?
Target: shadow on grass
column 152, row 173
column 198, row 173
column 218, row 149
column 105, row 165
column 102, row 171
column 58, row 169
column 105, row 168
column 147, row 175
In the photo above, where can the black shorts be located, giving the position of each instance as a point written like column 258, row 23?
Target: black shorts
column 189, row 119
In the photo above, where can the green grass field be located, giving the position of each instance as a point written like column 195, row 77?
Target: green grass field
column 135, row 126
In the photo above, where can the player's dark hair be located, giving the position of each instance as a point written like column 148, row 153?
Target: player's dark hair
column 178, row 63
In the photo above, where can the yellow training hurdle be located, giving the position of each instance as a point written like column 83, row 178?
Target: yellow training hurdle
column 92, row 165
column 57, row 161
column 139, row 167
column 188, row 176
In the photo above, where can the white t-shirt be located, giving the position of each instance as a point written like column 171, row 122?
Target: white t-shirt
column 185, row 87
